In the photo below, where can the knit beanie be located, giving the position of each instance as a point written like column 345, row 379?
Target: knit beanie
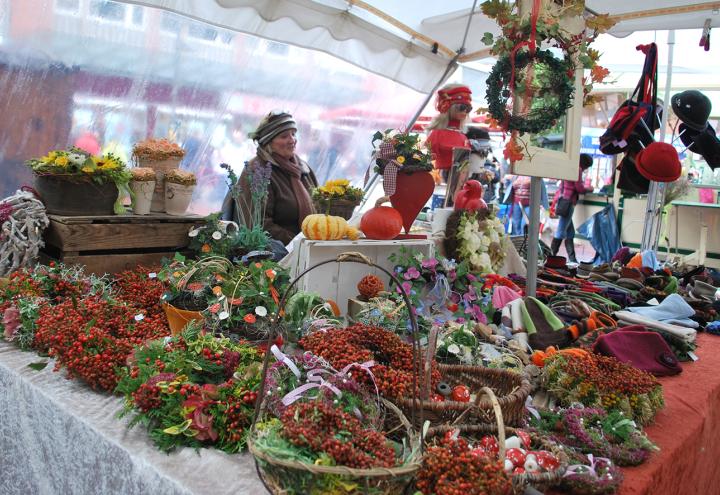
column 271, row 126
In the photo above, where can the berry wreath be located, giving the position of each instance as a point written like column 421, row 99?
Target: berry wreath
column 557, row 89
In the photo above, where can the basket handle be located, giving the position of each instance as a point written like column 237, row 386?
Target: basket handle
column 348, row 257
column 498, row 418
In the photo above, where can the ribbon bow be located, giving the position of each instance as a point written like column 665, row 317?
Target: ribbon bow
column 591, row 468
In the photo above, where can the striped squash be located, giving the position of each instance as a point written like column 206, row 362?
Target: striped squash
column 324, row 227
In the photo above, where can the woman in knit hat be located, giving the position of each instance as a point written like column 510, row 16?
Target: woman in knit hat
column 454, row 102
column 291, row 179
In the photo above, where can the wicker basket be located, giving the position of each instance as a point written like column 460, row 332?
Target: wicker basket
column 278, row 474
column 337, row 207
column 539, row 481
column 290, row 477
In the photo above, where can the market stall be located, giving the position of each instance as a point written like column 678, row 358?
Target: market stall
column 383, row 354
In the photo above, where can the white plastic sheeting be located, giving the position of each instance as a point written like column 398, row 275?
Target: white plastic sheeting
column 111, row 74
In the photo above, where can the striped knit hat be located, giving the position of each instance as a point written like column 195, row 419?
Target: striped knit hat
column 273, row 124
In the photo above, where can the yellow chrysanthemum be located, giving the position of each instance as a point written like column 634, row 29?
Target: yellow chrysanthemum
column 400, row 159
column 109, row 165
column 61, row 161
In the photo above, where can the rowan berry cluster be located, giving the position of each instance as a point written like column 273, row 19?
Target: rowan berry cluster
column 452, row 469
column 137, row 289
column 394, row 363
column 323, row 428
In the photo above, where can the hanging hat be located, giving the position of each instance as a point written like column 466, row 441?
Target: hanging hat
column 272, row 125
column 452, row 95
column 693, row 108
column 630, row 179
column 659, row 162
column 479, row 139
column 704, row 143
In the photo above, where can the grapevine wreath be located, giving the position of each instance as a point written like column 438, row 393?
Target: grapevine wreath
column 557, row 91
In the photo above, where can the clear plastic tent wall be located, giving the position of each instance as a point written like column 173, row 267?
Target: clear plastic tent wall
column 112, row 74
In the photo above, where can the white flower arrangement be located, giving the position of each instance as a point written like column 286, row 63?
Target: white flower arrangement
column 482, row 241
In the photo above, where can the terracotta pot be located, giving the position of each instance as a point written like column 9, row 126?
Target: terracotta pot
column 71, row 195
column 179, row 318
column 177, row 198
column 143, row 191
column 160, row 167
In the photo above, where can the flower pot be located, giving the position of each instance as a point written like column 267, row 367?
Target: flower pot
column 337, row 207
column 160, row 167
column 73, row 195
column 143, row 191
column 179, row 318
column 177, row 198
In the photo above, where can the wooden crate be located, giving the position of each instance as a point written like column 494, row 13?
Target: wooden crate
column 113, row 243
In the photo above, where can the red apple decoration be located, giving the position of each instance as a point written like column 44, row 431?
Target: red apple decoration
column 460, row 394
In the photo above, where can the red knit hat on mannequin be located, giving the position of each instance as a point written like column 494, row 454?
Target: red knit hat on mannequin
column 446, row 97
column 659, row 162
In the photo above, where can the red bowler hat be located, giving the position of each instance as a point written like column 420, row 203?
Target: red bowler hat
column 659, row 162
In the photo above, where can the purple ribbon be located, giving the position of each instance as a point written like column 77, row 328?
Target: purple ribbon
column 285, row 360
column 582, row 468
column 315, row 380
column 530, row 408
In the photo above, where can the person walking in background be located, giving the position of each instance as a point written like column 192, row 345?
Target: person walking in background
column 569, row 193
column 521, row 201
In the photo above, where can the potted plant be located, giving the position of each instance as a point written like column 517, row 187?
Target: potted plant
column 179, row 187
column 190, row 287
column 337, row 198
column 162, row 156
column 74, row 182
column 142, row 185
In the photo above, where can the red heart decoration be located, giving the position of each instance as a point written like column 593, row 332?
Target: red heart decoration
column 411, row 194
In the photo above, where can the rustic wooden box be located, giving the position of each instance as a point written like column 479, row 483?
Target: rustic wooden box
column 113, row 243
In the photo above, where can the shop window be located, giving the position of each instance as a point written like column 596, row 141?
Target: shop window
column 200, row 31
column 108, row 10
column 138, row 15
column 67, row 5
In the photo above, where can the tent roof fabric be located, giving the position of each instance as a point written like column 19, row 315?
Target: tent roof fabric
column 350, row 30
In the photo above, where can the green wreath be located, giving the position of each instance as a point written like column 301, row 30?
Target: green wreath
column 557, row 91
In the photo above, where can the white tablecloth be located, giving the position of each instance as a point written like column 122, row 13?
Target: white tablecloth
column 58, row 437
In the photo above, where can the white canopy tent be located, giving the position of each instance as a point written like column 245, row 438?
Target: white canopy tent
column 408, row 42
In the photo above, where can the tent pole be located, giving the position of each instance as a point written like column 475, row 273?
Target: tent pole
column 533, row 237
column 656, row 193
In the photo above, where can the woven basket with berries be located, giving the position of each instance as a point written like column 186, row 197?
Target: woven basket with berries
column 321, row 436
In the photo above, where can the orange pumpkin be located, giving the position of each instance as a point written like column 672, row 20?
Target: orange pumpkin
column 381, row 222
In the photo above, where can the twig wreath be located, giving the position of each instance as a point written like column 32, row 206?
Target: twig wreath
column 553, row 90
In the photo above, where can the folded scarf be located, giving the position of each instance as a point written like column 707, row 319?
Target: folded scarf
column 687, row 334
column 673, row 310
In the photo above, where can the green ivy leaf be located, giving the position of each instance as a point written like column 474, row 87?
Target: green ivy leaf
column 178, row 429
column 38, row 366
column 488, row 39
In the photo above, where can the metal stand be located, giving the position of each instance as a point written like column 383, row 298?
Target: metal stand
column 656, row 193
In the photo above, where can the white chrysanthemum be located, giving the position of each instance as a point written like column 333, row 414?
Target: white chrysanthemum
column 261, row 311
column 76, row 158
column 193, row 233
column 217, row 235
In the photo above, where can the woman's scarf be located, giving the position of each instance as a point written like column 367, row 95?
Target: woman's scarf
column 295, row 168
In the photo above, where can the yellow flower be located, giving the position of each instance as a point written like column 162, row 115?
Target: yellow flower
column 88, row 170
column 50, row 157
column 62, row 161
column 110, row 164
column 400, row 159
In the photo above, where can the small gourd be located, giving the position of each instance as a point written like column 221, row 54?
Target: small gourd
column 381, row 222
column 320, row 227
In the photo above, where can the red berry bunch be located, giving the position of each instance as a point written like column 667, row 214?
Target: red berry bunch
column 137, row 289
column 393, row 369
column 236, row 420
column 323, row 428
column 607, row 374
column 147, row 397
column 451, row 469
column 92, row 337
column 370, row 286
